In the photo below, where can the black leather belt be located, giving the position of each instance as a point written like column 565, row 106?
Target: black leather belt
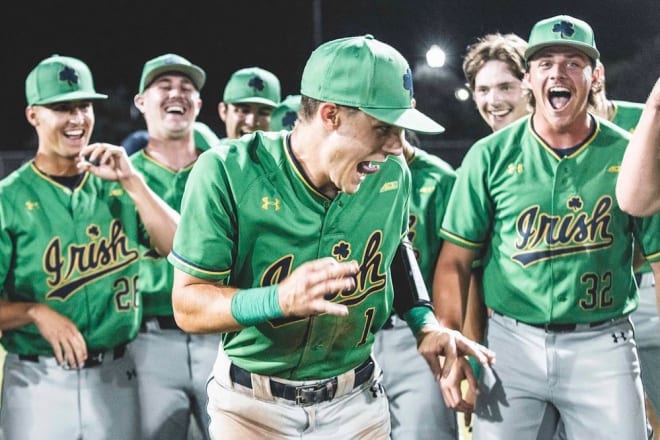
column 94, row 357
column 304, row 395
column 562, row 328
column 565, row 328
column 164, row 322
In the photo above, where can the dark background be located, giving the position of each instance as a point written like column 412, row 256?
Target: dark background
column 116, row 38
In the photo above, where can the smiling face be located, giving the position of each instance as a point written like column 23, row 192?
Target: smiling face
column 499, row 94
column 560, row 78
column 355, row 148
column 243, row 118
column 170, row 106
column 63, row 128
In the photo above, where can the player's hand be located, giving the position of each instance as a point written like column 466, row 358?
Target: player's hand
column 68, row 343
column 434, row 341
column 107, row 161
column 310, row 288
column 452, row 391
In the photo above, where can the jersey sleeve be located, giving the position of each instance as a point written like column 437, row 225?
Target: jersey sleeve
column 648, row 235
column 204, row 240
column 467, row 220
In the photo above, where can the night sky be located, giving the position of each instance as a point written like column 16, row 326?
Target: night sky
column 116, row 38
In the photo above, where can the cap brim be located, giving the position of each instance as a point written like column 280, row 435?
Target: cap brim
column 408, row 118
column 72, row 96
column 253, row 100
column 588, row 50
column 196, row 75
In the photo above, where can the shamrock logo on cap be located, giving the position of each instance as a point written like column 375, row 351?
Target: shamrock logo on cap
column 69, row 75
column 256, row 83
column 408, row 81
column 565, row 28
column 289, row 119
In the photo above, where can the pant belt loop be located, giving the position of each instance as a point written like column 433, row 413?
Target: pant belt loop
column 345, row 383
column 261, row 387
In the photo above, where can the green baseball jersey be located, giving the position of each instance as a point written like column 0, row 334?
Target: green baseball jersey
column 627, row 114
column 156, row 274
column 558, row 248
column 73, row 250
column 250, row 216
column 432, row 181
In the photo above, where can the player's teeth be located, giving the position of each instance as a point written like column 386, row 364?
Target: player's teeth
column 74, row 133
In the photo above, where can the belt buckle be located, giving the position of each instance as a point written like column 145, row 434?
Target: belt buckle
column 307, row 395
column 94, row 360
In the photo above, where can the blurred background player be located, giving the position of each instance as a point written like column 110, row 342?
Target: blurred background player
column 71, row 221
column 248, row 100
column 173, row 366
column 494, row 68
column 417, row 410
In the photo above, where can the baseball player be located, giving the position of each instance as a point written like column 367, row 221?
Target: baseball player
column 286, row 244
column 539, row 195
column 248, row 100
column 70, row 224
column 417, row 410
column 638, row 186
column 173, row 367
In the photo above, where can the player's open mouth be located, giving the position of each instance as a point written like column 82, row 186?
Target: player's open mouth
column 74, row 134
column 177, row 109
column 367, row 168
column 499, row 113
column 558, row 97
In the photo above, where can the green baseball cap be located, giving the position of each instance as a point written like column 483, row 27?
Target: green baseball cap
column 562, row 30
column 368, row 74
column 58, row 79
column 284, row 116
column 169, row 63
column 253, row 84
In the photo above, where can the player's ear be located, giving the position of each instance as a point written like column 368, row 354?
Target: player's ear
column 222, row 111
column 31, row 115
column 138, row 100
column 329, row 115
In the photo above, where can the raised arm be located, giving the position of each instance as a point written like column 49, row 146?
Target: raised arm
column 638, row 185
column 159, row 219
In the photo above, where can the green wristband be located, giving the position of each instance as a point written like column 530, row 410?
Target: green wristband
column 476, row 366
column 254, row 306
column 419, row 316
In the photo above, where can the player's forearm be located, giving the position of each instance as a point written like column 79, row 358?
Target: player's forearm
column 638, row 185
column 450, row 285
column 475, row 314
column 17, row 314
column 203, row 307
column 159, row 219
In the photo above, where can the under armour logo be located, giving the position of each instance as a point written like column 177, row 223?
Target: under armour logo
column 69, row 75
column 517, row 168
column 31, row 205
column 617, row 336
column 565, row 28
column 266, row 203
column 131, row 374
column 256, row 83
